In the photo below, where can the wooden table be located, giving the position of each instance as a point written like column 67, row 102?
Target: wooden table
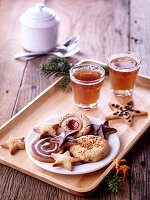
column 105, row 27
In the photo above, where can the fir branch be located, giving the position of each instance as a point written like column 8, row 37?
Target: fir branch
column 64, row 83
column 114, row 183
column 58, row 67
column 106, row 70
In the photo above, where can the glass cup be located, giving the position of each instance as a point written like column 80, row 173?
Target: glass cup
column 123, row 70
column 86, row 81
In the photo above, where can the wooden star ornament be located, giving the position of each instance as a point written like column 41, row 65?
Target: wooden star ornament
column 64, row 160
column 14, row 144
column 125, row 113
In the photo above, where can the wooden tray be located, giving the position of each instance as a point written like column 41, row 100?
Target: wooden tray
column 51, row 103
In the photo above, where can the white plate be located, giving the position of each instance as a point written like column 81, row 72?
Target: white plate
column 113, row 141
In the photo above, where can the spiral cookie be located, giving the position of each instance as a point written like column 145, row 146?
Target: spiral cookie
column 73, row 121
column 41, row 149
column 90, row 148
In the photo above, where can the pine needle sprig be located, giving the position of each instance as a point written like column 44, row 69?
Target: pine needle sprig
column 114, row 183
column 58, row 67
column 106, row 70
column 64, row 83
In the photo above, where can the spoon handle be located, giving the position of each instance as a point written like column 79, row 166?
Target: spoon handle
column 62, row 49
column 20, row 55
column 59, row 54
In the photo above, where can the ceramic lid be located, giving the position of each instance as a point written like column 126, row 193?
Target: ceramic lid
column 39, row 16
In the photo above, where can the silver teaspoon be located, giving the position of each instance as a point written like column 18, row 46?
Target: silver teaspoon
column 69, row 45
column 59, row 54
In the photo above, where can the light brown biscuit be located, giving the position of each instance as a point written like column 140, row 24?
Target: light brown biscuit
column 41, row 149
column 125, row 113
column 74, row 121
column 14, row 144
column 46, row 128
column 90, row 148
column 64, row 160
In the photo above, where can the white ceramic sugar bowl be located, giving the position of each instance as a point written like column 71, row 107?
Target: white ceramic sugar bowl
column 39, row 26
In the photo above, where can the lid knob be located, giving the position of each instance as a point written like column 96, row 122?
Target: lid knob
column 40, row 6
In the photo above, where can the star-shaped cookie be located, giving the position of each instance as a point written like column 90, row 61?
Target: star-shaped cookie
column 102, row 129
column 125, row 112
column 45, row 129
column 65, row 138
column 64, row 160
column 14, row 144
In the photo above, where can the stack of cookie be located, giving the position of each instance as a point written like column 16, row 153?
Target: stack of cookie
column 72, row 140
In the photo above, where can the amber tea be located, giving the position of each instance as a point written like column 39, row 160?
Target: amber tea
column 123, row 69
column 86, row 81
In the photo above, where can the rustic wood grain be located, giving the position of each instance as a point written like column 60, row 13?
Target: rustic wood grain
column 140, row 169
column 11, row 71
column 140, row 43
column 102, row 25
column 140, row 31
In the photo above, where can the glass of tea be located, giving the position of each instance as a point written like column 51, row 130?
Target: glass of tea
column 86, row 81
column 123, row 69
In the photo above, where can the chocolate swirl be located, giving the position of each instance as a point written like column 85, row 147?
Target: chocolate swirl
column 41, row 149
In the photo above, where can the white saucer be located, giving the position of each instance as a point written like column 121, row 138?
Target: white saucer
column 113, row 141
